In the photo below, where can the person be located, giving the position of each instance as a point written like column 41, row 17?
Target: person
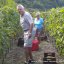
column 38, row 23
column 26, row 22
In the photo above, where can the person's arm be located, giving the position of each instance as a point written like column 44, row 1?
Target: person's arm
column 31, row 27
column 42, row 20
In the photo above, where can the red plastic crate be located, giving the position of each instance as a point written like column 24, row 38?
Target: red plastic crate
column 35, row 45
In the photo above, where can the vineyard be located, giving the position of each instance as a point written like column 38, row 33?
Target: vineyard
column 10, row 28
column 55, row 26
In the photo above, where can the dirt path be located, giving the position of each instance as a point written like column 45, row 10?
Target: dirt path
column 16, row 56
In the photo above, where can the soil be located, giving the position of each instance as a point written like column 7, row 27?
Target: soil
column 16, row 55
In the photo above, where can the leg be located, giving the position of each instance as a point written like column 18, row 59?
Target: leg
column 25, row 46
column 40, row 34
column 30, row 53
column 26, row 54
column 28, row 46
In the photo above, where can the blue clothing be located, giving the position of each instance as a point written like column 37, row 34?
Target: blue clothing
column 39, row 23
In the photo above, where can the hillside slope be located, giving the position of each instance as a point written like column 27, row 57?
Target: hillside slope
column 41, row 4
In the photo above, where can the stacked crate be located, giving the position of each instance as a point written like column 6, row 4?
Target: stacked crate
column 49, row 58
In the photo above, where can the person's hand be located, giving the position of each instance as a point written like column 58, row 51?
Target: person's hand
column 30, row 35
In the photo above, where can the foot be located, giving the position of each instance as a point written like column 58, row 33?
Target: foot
column 31, row 61
column 26, row 62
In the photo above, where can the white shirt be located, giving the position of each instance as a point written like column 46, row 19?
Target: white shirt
column 26, row 20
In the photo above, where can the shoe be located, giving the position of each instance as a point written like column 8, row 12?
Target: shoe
column 31, row 61
column 26, row 62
